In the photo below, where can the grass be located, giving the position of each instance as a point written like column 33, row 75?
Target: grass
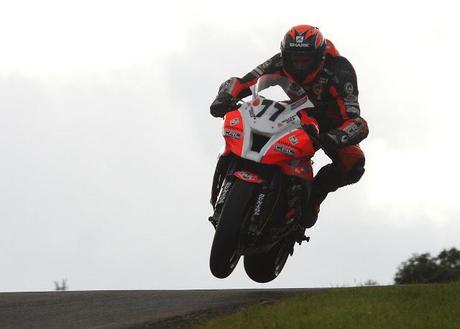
column 435, row 306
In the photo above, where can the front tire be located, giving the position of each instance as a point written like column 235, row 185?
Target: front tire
column 265, row 267
column 224, row 251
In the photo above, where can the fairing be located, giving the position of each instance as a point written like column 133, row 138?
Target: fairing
column 268, row 130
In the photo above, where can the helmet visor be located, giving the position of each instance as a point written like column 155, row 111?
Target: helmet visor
column 301, row 61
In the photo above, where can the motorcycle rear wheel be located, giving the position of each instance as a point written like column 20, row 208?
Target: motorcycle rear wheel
column 224, row 251
column 265, row 267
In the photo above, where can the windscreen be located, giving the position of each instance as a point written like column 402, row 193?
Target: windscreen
column 278, row 88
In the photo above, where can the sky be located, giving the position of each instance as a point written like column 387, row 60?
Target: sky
column 108, row 149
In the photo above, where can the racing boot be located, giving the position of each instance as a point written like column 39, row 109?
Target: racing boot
column 326, row 180
column 295, row 198
column 318, row 194
column 310, row 215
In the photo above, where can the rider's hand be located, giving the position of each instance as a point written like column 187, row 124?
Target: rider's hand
column 333, row 139
column 223, row 103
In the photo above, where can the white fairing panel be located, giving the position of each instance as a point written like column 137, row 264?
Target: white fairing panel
column 271, row 119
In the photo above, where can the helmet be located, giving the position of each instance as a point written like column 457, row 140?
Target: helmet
column 303, row 51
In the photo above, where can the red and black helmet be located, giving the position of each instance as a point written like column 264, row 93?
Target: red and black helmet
column 303, row 50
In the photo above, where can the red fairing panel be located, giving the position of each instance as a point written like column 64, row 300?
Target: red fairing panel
column 292, row 153
column 295, row 145
column 233, row 133
column 248, row 176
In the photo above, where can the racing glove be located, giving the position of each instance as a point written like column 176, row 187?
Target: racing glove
column 223, row 103
column 349, row 133
column 333, row 139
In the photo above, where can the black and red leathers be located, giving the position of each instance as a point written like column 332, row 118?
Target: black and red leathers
column 334, row 92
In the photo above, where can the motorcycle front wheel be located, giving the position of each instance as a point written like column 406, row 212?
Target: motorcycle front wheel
column 224, row 252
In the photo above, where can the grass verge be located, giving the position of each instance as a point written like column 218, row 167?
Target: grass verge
column 435, row 306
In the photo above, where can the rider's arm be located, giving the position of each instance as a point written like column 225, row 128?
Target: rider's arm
column 311, row 127
column 344, row 89
column 235, row 89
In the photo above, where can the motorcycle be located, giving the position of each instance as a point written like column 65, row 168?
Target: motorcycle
column 262, row 181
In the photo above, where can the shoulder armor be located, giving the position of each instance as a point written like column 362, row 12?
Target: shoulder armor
column 269, row 66
column 343, row 78
column 343, row 75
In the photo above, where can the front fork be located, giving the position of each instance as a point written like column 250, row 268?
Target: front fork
column 219, row 176
column 228, row 169
column 273, row 199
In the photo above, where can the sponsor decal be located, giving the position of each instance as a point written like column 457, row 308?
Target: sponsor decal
column 348, row 88
column 247, row 176
column 299, row 45
column 224, row 192
column 299, row 102
column 299, row 39
column 294, row 140
column 234, row 121
column 257, row 72
column 351, row 98
column 351, row 102
column 284, row 150
column 232, row 134
column 251, row 113
column 353, row 128
column 258, row 206
column 287, row 121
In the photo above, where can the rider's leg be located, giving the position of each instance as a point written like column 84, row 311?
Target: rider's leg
column 347, row 167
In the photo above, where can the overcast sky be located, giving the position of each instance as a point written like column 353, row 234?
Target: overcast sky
column 107, row 148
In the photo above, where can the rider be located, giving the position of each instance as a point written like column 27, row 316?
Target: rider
column 330, row 82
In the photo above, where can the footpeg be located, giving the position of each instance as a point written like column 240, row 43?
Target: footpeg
column 213, row 221
column 302, row 239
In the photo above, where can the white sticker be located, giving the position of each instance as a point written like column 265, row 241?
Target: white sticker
column 234, row 122
column 348, row 87
column 294, row 140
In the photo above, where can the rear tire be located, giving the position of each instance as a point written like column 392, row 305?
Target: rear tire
column 265, row 267
column 224, row 251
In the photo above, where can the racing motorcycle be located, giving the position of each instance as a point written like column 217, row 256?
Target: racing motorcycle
column 262, row 181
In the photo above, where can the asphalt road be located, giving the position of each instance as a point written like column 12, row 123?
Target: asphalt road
column 127, row 309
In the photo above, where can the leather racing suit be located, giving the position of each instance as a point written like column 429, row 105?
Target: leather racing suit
column 334, row 93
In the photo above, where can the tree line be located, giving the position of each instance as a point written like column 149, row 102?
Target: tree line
column 424, row 268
